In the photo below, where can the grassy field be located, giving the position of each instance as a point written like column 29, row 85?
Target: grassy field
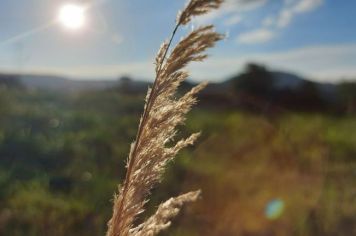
column 61, row 158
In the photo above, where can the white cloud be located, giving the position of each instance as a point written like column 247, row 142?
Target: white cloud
column 270, row 24
column 268, row 21
column 307, row 5
column 243, row 5
column 324, row 63
column 140, row 70
column 290, row 11
column 256, row 36
column 288, row 2
column 230, row 7
column 117, row 38
column 328, row 63
column 143, row 69
column 234, row 20
column 284, row 18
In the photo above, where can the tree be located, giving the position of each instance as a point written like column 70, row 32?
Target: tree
column 256, row 80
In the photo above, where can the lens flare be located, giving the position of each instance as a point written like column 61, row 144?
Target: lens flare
column 274, row 209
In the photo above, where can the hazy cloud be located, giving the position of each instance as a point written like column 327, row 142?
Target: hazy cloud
column 256, row 36
column 268, row 21
column 323, row 63
column 307, row 5
column 243, row 5
column 117, row 38
column 232, row 8
column 290, row 11
column 234, row 20
column 285, row 17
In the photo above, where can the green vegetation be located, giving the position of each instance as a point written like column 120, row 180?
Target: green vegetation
column 61, row 157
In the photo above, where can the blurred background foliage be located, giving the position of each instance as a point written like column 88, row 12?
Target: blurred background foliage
column 263, row 170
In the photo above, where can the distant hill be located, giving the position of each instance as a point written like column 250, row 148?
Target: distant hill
column 285, row 81
column 67, row 85
column 256, row 88
column 61, row 84
column 10, row 81
column 281, row 80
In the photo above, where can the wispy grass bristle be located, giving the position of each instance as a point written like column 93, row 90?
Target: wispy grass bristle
column 165, row 212
column 196, row 8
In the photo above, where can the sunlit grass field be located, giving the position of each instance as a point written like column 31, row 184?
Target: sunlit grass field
column 62, row 156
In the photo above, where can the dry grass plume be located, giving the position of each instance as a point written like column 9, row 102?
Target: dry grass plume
column 163, row 112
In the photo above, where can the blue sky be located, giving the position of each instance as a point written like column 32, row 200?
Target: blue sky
column 315, row 38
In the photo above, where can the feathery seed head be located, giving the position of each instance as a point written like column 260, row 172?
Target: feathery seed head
column 163, row 112
column 196, row 8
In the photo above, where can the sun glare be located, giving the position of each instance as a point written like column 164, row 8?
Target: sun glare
column 72, row 16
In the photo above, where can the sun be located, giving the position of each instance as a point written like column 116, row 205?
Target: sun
column 72, row 16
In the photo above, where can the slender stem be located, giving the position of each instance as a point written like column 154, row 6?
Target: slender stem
column 145, row 115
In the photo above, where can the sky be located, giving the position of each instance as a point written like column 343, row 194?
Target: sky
column 313, row 38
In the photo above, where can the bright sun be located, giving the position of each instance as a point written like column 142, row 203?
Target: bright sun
column 72, row 16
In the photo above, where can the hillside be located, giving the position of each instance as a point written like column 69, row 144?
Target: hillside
column 62, row 155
